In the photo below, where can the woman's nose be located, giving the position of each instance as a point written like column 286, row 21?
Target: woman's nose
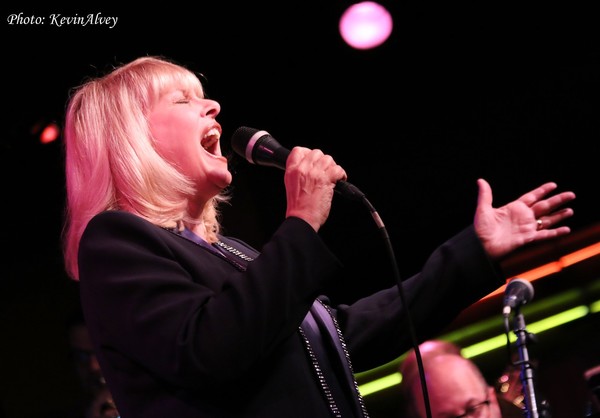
column 211, row 108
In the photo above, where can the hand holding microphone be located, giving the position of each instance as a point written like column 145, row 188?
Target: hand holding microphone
column 259, row 147
column 310, row 177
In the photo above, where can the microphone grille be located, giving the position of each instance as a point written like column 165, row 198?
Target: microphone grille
column 240, row 138
column 523, row 286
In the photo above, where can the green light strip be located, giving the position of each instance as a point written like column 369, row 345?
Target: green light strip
column 559, row 319
column 491, row 344
column 570, row 297
column 380, row 384
column 485, row 346
column 536, row 327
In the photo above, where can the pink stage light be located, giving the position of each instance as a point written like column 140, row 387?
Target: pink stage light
column 365, row 25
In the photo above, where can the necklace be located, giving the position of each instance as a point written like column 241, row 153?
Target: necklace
column 219, row 247
column 234, row 251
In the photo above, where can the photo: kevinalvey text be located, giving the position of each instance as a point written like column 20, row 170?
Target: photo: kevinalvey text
column 58, row 19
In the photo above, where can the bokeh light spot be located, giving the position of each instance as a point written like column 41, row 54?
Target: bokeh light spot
column 50, row 133
column 365, row 25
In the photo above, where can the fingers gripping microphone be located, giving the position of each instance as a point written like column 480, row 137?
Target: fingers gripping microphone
column 259, row 147
column 518, row 292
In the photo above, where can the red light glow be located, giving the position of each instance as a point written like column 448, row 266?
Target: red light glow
column 50, row 133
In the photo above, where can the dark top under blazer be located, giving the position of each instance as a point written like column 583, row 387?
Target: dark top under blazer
column 181, row 332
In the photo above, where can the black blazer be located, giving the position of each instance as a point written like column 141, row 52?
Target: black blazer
column 181, row 331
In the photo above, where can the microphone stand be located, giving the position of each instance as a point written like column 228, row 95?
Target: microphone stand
column 526, row 370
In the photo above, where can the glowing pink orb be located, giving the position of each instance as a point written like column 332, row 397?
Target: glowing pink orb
column 365, row 25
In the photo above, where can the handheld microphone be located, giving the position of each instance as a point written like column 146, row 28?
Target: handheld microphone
column 259, row 147
column 518, row 292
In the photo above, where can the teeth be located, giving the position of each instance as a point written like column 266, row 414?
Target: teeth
column 210, row 138
column 214, row 132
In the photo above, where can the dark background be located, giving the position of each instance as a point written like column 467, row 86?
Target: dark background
column 508, row 92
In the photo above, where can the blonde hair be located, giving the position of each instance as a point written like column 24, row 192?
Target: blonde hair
column 110, row 160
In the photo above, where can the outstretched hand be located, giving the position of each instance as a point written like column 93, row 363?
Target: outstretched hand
column 532, row 217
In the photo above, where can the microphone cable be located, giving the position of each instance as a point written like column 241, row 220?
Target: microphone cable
column 398, row 278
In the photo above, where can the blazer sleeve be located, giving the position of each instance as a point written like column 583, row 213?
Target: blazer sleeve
column 456, row 275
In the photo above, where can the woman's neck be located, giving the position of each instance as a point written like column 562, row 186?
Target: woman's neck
column 197, row 228
column 194, row 219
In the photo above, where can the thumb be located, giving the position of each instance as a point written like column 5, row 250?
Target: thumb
column 485, row 194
